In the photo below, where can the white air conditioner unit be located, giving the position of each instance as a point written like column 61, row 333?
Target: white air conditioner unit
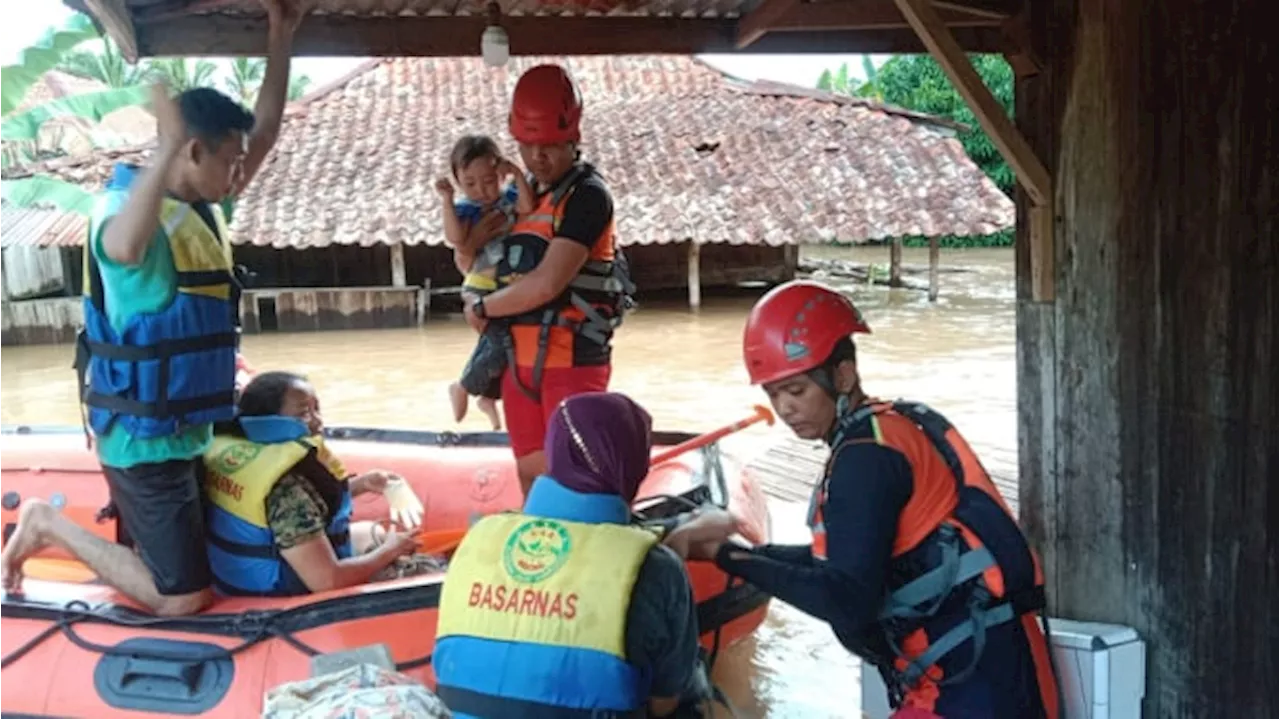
column 1101, row 671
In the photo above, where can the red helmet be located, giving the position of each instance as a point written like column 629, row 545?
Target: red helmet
column 794, row 328
column 546, row 107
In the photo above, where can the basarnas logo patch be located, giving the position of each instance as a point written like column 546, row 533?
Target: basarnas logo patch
column 235, row 457
column 536, row 550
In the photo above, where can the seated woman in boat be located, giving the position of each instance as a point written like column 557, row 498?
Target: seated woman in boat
column 610, row 622
column 279, row 514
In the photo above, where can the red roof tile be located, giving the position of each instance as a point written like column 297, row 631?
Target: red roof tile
column 688, row 153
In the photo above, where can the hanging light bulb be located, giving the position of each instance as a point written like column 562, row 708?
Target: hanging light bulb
column 494, row 45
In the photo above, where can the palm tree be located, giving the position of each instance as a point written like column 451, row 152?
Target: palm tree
column 182, row 75
column 246, row 78
column 106, row 65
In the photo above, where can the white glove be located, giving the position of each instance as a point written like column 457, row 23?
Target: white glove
column 406, row 508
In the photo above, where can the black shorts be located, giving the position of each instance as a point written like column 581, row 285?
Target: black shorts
column 161, row 514
column 482, row 377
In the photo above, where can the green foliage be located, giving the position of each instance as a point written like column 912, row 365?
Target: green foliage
column 917, row 82
column 40, row 191
column 92, row 106
column 105, row 65
column 246, row 78
column 1003, row 238
column 182, row 74
column 298, row 86
column 36, row 60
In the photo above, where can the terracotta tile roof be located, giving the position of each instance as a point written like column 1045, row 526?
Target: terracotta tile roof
column 688, row 152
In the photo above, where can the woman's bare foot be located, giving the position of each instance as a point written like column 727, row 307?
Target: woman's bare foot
column 28, row 538
column 458, row 398
column 490, row 408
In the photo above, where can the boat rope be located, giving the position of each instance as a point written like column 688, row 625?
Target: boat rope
column 77, row 611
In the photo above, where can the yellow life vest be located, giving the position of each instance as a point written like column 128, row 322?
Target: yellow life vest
column 521, row 578
column 240, row 473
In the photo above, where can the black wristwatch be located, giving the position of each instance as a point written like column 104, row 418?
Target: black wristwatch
column 477, row 308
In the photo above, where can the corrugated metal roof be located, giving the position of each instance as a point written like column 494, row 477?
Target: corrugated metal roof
column 41, row 228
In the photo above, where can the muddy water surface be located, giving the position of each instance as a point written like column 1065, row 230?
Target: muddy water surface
column 957, row 354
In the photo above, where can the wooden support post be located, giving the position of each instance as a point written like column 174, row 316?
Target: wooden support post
column 934, row 251
column 1032, row 175
column 695, row 275
column 397, row 266
column 895, row 262
column 790, row 262
column 425, row 303
column 1040, row 223
column 115, row 19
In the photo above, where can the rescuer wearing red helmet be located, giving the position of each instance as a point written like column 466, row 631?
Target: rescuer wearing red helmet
column 574, row 286
column 916, row 562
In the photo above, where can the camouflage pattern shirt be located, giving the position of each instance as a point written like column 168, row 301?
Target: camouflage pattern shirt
column 295, row 511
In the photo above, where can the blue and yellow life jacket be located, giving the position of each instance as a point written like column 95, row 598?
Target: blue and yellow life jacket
column 174, row 368
column 240, row 473
column 533, row 614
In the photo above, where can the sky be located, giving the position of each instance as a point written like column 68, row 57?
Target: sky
column 21, row 30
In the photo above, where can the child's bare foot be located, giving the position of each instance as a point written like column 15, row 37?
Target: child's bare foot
column 458, row 398
column 28, row 538
column 490, row 408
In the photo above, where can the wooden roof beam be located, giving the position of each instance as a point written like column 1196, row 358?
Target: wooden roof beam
column 113, row 17
column 792, row 15
column 761, row 20
column 865, row 15
column 1031, row 172
column 990, row 9
column 434, row 36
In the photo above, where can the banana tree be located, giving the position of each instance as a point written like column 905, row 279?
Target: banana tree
column 43, row 56
column 20, row 128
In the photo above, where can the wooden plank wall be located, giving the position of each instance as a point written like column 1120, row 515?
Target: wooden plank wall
column 1147, row 391
column 37, row 322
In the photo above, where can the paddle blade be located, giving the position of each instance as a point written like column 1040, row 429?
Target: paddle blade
column 440, row 541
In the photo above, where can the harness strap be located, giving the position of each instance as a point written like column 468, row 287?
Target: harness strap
column 594, row 326
column 170, row 408
column 207, row 278
column 975, row 628
column 163, row 349
column 466, row 701
column 937, row 584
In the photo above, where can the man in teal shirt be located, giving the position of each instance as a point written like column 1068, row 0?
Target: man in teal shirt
column 160, row 327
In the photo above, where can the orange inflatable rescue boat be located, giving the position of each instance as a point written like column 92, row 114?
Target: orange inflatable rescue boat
column 73, row 647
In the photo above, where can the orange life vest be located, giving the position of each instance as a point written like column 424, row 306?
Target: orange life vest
column 593, row 303
column 956, row 514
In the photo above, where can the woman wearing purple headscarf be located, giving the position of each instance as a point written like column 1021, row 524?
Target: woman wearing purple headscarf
column 566, row 606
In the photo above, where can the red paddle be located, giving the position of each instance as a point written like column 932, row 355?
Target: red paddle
column 762, row 414
column 443, row 541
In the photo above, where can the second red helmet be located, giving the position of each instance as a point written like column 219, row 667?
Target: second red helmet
column 794, row 327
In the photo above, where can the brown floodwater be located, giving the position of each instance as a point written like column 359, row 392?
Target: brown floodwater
column 956, row 354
